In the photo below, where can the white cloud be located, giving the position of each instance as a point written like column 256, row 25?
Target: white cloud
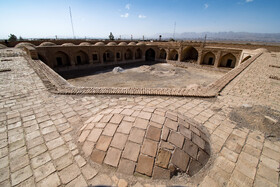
column 125, row 15
column 248, row 1
column 127, row 6
column 206, row 6
column 141, row 16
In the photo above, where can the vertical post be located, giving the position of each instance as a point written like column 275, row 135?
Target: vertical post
column 72, row 23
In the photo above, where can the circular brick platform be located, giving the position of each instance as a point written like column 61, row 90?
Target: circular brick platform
column 149, row 141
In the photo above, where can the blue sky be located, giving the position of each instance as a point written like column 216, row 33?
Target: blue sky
column 97, row 18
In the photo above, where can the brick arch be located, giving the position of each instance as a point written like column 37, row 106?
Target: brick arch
column 189, row 54
column 62, row 59
column 150, row 54
column 209, row 58
column 128, row 55
column 173, row 55
column 108, row 56
column 138, row 53
column 228, row 60
column 162, row 53
column 81, row 58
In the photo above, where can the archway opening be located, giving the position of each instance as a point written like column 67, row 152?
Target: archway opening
column 162, row 54
column 150, row 55
column 118, row 56
column 246, row 58
column 189, row 54
column 209, row 59
column 108, row 56
column 81, row 58
column 61, row 59
column 173, row 55
column 138, row 54
column 128, row 55
column 228, row 61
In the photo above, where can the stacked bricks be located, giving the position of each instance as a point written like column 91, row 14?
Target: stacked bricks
column 145, row 141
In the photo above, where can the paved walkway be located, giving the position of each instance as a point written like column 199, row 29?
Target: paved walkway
column 39, row 131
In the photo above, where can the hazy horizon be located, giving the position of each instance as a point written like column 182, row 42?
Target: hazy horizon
column 97, row 18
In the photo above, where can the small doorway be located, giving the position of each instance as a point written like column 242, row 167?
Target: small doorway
column 79, row 60
column 150, row 55
column 229, row 61
column 210, row 61
column 59, row 61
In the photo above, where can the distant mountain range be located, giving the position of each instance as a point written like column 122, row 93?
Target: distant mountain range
column 236, row 36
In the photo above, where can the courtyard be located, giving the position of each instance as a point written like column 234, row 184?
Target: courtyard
column 43, row 141
column 160, row 75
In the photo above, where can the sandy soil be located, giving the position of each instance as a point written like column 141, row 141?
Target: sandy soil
column 259, row 118
column 155, row 76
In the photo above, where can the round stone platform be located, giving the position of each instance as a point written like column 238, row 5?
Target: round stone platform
column 149, row 141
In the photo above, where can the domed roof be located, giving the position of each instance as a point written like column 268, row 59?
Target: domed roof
column 22, row 44
column 132, row 43
column 141, row 43
column 99, row 44
column 46, row 44
column 112, row 44
column 2, row 46
column 261, row 50
column 123, row 44
column 169, row 141
column 85, row 44
column 68, row 44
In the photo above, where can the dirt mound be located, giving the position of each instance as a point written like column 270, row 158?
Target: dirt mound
column 259, row 118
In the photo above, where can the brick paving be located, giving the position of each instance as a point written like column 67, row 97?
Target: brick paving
column 41, row 143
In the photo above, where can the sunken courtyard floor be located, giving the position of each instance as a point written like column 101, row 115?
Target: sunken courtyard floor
column 161, row 75
column 48, row 139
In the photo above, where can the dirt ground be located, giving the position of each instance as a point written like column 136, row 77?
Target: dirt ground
column 160, row 75
column 258, row 118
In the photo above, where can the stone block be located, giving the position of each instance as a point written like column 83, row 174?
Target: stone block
column 136, row 135
column 171, row 124
column 149, row 147
column 97, row 156
column 160, row 173
column 89, row 172
column 202, row 157
column 145, row 115
column 124, row 127
column 83, row 136
column 157, row 118
column 185, row 131
column 190, row 148
column 88, row 147
column 131, row 151
column 51, row 180
column 180, row 159
column 20, row 175
column 165, row 133
column 103, row 143
column 194, row 167
column 69, row 173
column 126, row 166
column 94, row 135
column 110, row 129
column 198, row 141
column 119, row 140
column 141, row 123
column 176, row 139
column 116, row 119
column 145, row 165
column 153, row 133
column 163, row 158
column 43, row 171
column 112, row 157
